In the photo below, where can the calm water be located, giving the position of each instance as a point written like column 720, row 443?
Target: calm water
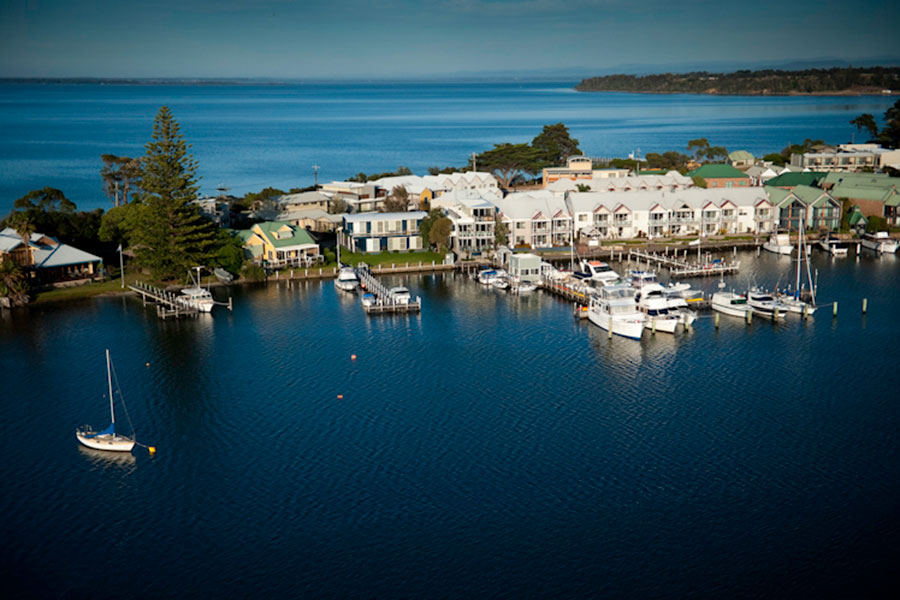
column 249, row 137
column 490, row 447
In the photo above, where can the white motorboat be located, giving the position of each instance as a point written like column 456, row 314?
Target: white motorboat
column 779, row 243
column 524, row 287
column 196, row 296
column 880, row 241
column 501, row 283
column 614, row 309
column 652, row 301
column 600, row 272
column 489, row 276
column 729, row 303
column 108, row 439
column 347, row 279
column 399, row 295
column 641, row 278
column 766, row 304
column 678, row 300
column 368, row 299
column 834, row 246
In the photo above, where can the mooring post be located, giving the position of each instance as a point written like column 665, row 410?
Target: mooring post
column 749, row 316
column 716, row 319
column 609, row 330
column 834, row 313
column 865, row 304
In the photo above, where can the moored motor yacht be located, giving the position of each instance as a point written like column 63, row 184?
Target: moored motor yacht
column 651, row 300
column 614, row 309
column 779, row 243
column 400, row 295
column 766, row 304
column 880, row 241
column 729, row 303
column 640, row 278
column 834, row 246
column 600, row 272
column 346, row 279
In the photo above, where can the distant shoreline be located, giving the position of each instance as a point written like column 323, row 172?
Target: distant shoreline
column 844, row 93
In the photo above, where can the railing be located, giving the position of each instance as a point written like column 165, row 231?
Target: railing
column 294, row 261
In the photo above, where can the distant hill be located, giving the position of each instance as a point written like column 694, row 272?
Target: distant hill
column 768, row 82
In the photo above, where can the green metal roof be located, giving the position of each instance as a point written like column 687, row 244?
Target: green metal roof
column 718, row 172
column 861, row 193
column 856, row 216
column 777, row 195
column 298, row 235
column 868, row 180
column 740, row 155
column 809, row 195
column 792, row 179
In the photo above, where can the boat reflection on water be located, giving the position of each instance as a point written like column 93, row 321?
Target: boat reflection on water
column 624, row 353
column 103, row 460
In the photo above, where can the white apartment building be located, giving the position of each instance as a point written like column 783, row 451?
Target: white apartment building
column 847, row 157
column 381, row 232
column 472, row 215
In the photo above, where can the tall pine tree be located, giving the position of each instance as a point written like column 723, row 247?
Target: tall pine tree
column 171, row 235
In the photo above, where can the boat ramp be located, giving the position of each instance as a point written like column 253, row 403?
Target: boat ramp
column 386, row 302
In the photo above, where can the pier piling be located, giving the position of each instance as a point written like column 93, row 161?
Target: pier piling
column 834, row 314
column 865, row 304
column 716, row 319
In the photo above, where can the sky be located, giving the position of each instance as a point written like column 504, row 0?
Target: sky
column 412, row 38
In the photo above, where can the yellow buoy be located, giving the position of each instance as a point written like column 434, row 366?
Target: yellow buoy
column 152, row 449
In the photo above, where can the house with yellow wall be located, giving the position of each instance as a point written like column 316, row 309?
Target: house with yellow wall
column 280, row 244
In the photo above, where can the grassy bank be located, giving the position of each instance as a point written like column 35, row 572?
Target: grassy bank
column 389, row 258
column 110, row 287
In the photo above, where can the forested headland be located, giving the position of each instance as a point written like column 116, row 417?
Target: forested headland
column 837, row 81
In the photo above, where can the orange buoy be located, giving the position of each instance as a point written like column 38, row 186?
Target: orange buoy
column 340, row 396
column 148, row 364
column 352, row 357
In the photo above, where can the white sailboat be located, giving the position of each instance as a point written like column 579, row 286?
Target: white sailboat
column 107, row 439
column 793, row 302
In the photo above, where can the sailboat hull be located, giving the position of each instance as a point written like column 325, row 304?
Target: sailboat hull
column 110, row 443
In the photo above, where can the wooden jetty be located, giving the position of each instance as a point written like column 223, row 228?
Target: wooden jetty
column 682, row 268
column 385, row 301
column 573, row 291
column 167, row 303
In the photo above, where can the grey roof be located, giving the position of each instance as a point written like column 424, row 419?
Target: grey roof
column 46, row 255
column 308, row 213
column 379, row 216
column 303, row 198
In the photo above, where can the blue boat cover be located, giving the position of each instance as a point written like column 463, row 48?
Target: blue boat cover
column 108, row 431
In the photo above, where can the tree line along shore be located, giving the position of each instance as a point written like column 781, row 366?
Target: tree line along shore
column 768, row 82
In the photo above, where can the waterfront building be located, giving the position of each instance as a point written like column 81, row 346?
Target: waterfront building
column 215, row 208
column 791, row 179
column 525, row 267
column 760, row 174
column 304, row 201
column 740, row 159
column 535, row 219
column 278, row 244
column 381, row 232
column 360, row 197
column 876, row 195
column 671, row 181
column 663, row 213
column 312, row 219
column 46, row 259
column 721, row 176
column 472, row 215
column 847, row 157
column 423, row 190
column 814, row 206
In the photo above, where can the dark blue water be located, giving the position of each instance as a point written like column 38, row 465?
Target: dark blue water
column 490, row 447
column 250, row 137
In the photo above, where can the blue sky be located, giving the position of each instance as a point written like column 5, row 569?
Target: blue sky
column 398, row 38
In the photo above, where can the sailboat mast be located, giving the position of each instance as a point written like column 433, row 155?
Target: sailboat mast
column 112, row 413
column 799, row 259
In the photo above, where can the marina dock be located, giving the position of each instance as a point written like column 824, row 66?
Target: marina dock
column 168, row 304
column 682, row 267
column 385, row 301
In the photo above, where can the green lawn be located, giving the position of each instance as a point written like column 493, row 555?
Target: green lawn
column 388, row 258
column 88, row 290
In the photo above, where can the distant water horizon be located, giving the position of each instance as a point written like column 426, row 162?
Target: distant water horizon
column 249, row 136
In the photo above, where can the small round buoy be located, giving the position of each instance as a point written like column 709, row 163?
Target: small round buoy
column 352, row 357
column 152, row 449
column 340, row 396
column 148, row 364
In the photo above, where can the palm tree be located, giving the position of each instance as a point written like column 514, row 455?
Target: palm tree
column 12, row 283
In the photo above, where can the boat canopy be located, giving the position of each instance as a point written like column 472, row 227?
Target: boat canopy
column 111, row 430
